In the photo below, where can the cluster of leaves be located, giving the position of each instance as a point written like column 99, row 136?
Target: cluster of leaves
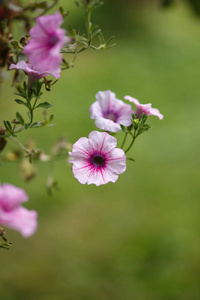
column 81, row 42
column 30, row 98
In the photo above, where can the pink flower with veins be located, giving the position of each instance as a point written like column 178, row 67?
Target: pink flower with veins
column 32, row 73
column 109, row 112
column 144, row 108
column 12, row 214
column 96, row 160
column 47, row 39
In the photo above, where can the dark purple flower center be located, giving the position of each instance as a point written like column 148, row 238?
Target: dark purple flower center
column 111, row 116
column 53, row 39
column 97, row 160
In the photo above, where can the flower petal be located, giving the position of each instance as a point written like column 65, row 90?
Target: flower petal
column 11, row 196
column 144, row 108
column 20, row 219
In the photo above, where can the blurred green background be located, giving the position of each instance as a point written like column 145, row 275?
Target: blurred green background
column 137, row 238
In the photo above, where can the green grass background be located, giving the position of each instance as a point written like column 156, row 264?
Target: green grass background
column 137, row 238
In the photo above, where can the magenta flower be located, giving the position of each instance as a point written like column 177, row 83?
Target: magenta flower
column 32, row 73
column 144, row 108
column 13, row 215
column 43, row 49
column 109, row 112
column 96, row 160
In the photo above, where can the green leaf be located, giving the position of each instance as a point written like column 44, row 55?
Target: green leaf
column 20, row 118
column 37, row 124
column 133, row 117
column 110, row 40
column 21, row 95
column 25, row 86
column 51, row 118
column 27, row 125
column 146, row 126
column 131, row 159
column 143, row 118
column 95, row 32
column 95, row 26
column 45, row 105
column 77, row 3
column 21, row 102
column 36, row 88
column 123, row 128
column 8, row 126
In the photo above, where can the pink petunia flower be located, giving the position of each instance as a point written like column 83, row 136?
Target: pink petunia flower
column 13, row 215
column 109, row 112
column 96, row 160
column 32, row 73
column 144, row 108
column 43, row 49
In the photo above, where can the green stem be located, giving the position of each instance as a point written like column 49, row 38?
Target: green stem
column 131, row 144
column 88, row 24
column 34, row 103
column 124, row 140
column 31, row 109
column 28, row 152
column 48, row 8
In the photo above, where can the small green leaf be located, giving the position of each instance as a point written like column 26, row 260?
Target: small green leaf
column 25, row 86
column 37, row 124
column 27, row 125
column 123, row 128
column 8, row 126
column 133, row 117
column 51, row 118
column 146, row 126
column 21, row 102
column 77, row 3
column 21, row 95
column 131, row 159
column 95, row 26
column 143, row 118
column 36, row 88
column 95, row 32
column 45, row 105
column 20, row 118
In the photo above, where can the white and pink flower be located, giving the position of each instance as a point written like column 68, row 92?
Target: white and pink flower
column 109, row 112
column 12, row 214
column 32, row 73
column 47, row 39
column 96, row 160
column 144, row 108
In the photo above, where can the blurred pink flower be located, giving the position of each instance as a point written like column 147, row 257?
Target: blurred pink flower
column 144, row 108
column 13, row 215
column 96, row 160
column 109, row 112
column 43, row 49
column 32, row 73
